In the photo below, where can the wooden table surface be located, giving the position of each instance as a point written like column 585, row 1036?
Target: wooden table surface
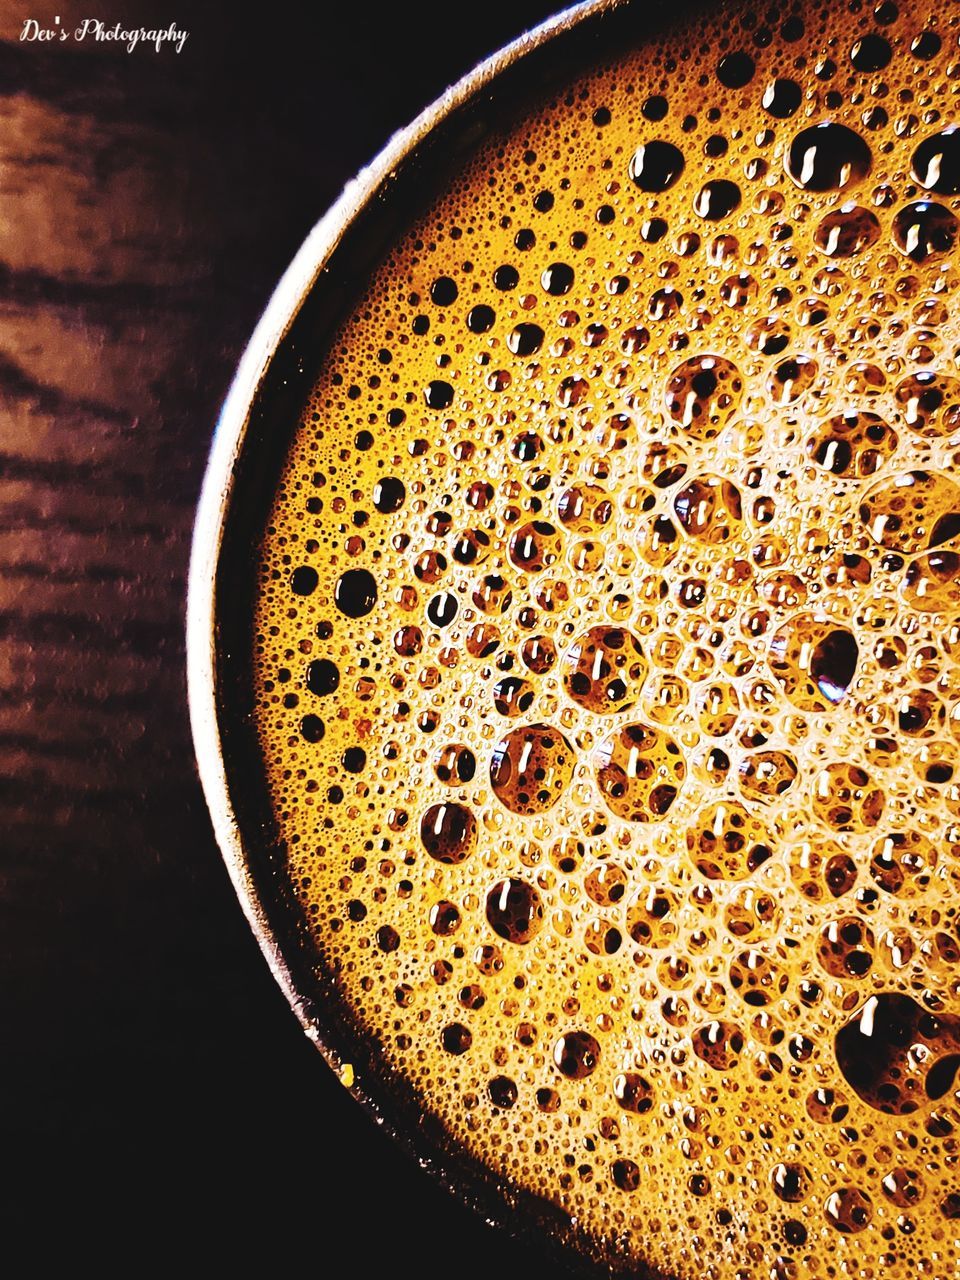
column 153, row 1076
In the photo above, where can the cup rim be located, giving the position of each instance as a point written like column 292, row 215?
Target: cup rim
column 231, row 430
column 202, row 612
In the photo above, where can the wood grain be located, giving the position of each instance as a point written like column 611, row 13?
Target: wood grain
column 151, row 1071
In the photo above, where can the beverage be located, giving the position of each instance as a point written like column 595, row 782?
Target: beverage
column 605, row 657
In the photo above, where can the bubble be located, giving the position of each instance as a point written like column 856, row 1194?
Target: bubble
column 389, row 495
column 703, row 394
column 456, row 1038
column 303, row 581
column 355, row 593
column 791, row 379
column 727, row 843
column 535, row 546
column 903, row 1187
column 652, row 917
column 739, row 291
column 924, row 230
column 735, row 69
column 558, row 279
column 847, row 231
column 584, row 508
column 503, row 1092
column 781, row 98
column 312, row 728
column 655, row 107
column 897, row 1057
column 846, row 948
column 492, row 594
column 538, row 654
column 932, row 582
column 765, row 774
column 757, row 979
column 438, row 394
column 606, row 884
column 471, row 547
column 481, row 318
column 926, row 45
column 514, row 910
column 719, row 707
column 323, row 677
column 853, row 444
column 639, row 771
column 576, row 1054
column 870, row 53
column 444, row 291
column 442, row 609
column 769, row 336
column 936, row 162
column 814, row 661
column 790, row 1182
column 448, row 833
column 633, row 1093
column 912, row 512
column 903, row 862
column 718, row 1044
column 604, row 670
column 827, row 157
column 929, row 403
column 717, row 199
column 849, row 1210
column 656, row 165
column 846, row 799
column 625, row 1174
column 525, row 339
column 455, row 764
column 530, row 768
column 709, row 509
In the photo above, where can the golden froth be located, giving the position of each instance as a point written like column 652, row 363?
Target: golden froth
column 606, row 650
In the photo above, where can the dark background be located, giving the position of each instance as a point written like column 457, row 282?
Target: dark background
column 155, row 1085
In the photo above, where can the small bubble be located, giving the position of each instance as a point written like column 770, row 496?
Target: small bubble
column 924, row 230
column 438, row 394
column 557, row 279
column 870, row 53
column 717, row 199
column 847, row 231
column 514, row 910
column 576, row 1054
column 936, row 162
column 735, row 70
column 355, row 593
column 448, row 833
column 782, row 98
column 530, row 768
column 849, row 1210
column 656, row 166
column 444, row 291
column 323, row 677
column 481, row 318
column 389, row 495
column 827, row 157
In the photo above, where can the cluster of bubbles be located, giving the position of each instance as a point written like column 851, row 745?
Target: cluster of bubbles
column 607, row 650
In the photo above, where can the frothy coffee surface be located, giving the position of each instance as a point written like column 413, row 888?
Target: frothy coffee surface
column 607, row 650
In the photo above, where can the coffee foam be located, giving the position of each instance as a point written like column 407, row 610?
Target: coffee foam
column 606, row 650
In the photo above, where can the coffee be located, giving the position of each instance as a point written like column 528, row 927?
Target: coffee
column 606, row 640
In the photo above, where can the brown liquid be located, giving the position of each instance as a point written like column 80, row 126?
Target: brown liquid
column 607, row 645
